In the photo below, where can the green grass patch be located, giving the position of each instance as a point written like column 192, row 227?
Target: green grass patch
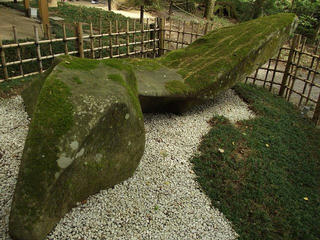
column 13, row 86
column 267, row 179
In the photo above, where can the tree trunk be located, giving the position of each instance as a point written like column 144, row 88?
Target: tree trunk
column 109, row 5
column 141, row 13
column 208, row 12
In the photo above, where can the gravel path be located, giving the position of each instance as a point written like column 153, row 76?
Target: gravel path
column 161, row 201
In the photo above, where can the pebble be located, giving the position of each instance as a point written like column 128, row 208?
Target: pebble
column 162, row 200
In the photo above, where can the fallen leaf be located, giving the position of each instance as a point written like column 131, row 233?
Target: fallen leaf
column 221, row 150
column 267, row 145
column 306, row 198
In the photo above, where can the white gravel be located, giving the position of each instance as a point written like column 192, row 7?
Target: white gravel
column 161, row 201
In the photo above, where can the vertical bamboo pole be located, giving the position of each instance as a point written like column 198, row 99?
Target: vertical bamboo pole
column 117, row 37
column 288, row 65
column 183, row 32
column 154, row 38
column 49, row 38
column 79, row 33
column 206, row 29
column 142, row 39
column 3, row 62
column 26, row 7
column 312, row 81
column 178, row 34
column 275, row 69
column 100, row 38
column 198, row 31
column 267, row 73
column 191, row 36
column 92, row 41
column 141, row 14
column 44, row 14
column 36, row 33
column 65, row 39
column 162, row 25
column 297, row 67
column 128, row 38
column 15, row 36
column 134, row 37
column 110, row 40
column 307, row 80
column 147, row 38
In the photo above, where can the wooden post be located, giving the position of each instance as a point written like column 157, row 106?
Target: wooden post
column 38, row 49
column 92, row 41
column 206, row 28
column 183, row 33
column 142, row 39
column 134, row 37
column 141, row 14
column 26, row 7
column 110, row 40
column 100, row 38
column 154, row 37
column 3, row 62
column 44, row 14
column 15, row 36
column 162, row 24
column 117, row 37
column 316, row 115
column 128, row 39
column 109, row 5
column 178, row 35
column 65, row 39
column 79, row 33
column 288, row 65
column 49, row 38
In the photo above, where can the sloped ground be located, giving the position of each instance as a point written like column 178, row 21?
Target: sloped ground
column 161, row 201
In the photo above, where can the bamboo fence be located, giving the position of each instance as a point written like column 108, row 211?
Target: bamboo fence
column 87, row 41
column 292, row 74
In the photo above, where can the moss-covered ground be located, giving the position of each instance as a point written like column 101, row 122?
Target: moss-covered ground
column 267, row 180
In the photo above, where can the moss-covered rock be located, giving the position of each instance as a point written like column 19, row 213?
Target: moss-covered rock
column 86, row 134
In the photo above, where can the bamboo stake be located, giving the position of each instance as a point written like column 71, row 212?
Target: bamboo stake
column 92, row 41
column 306, row 83
column 312, row 81
column 49, row 38
column 183, row 32
column 36, row 33
column 15, row 36
column 110, row 40
column 79, row 33
column 161, row 36
column 267, row 73
column 191, row 37
column 3, row 62
column 65, row 39
column 288, row 65
column 178, row 35
column 134, row 37
column 100, row 38
column 316, row 115
column 297, row 67
column 142, row 39
column 148, row 38
column 128, row 39
column 154, row 38
column 117, row 37
column 275, row 69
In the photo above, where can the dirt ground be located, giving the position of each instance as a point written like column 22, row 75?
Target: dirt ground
column 10, row 17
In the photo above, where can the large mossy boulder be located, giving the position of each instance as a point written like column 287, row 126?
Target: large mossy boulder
column 211, row 64
column 86, row 134
column 87, row 129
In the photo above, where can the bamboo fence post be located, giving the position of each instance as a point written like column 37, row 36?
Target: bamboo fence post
column 148, row 38
column 110, row 40
column 142, row 39
column 49, row 38
column 288, row 65
column 267, row 73
column 178, row 34
column 128, row 39
column 92, row 41
column 312, row 81
column 100, row 38
column 198, row 31
column 191, row 37
column 183, row 33
column 36, row 33
column 293, row 78
column 117, row 37
column 15, row 36
column 161, row 36
column 275, row 69
column 65, row 39
column 141, row 14
column 134, row 37
column 206, row 28
column 79, row 33
column 154, row 38
column 3, row 62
